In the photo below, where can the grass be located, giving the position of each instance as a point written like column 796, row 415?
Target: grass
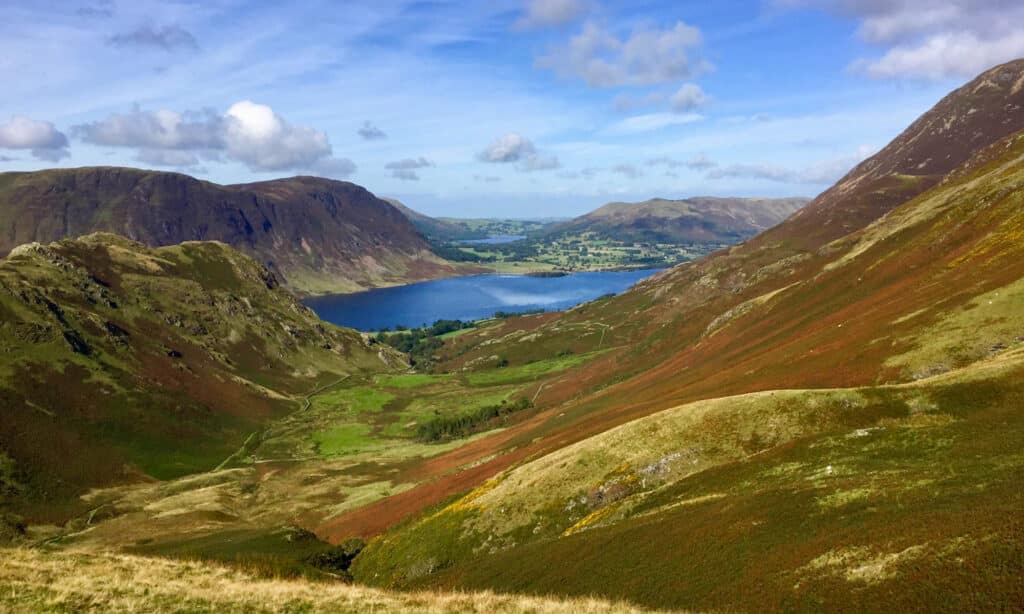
column 527, row 372
column 35, row 581
column 354, row 400
column 345, row 439
column 832, row 499
column 411, row 380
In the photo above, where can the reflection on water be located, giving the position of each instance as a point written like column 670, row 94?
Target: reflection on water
column 468, row 298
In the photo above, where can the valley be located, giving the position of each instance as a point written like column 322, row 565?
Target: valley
column 292, row 395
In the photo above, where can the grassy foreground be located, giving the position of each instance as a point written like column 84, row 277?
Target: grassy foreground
column 35, row 581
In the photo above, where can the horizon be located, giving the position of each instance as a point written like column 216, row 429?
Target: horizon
column 522, row 109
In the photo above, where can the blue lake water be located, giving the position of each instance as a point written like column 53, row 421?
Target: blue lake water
column 494, row 240
column 468, row 298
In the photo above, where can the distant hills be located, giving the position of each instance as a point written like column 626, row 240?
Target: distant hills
column 448, row 229
column 317, row 235
column 693, row 220
column 704, row 219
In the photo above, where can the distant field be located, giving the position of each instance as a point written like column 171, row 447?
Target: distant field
column 574, row 252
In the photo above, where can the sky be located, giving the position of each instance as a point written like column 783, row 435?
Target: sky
column 503, row 108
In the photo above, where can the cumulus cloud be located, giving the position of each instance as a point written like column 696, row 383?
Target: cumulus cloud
column 167, row 38
column 370, row 132
column 932, row 39
column 41, row 138
column 514, row 147
column 250, row 133
column 688, row 98
column 627, row 170
column 648, row 56
column 406, row 169
column 550, row 13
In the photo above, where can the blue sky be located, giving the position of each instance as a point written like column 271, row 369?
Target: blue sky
column 503, row 108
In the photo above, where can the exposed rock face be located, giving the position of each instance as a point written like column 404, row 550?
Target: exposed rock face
column 319, row 235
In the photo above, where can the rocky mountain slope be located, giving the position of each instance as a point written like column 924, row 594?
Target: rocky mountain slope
column 317, row 235
column 692, row 220
column 125, row 363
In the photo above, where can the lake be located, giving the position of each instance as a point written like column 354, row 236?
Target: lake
column 468, row 298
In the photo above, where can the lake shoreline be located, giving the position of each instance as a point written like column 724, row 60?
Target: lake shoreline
column 469, row 298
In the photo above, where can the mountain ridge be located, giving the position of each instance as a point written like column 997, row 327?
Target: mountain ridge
column 318, row 235
column 689, row 220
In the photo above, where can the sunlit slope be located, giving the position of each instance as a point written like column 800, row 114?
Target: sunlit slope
column 869, row 499
column 123, row 363
column 930, row 287
column 34, row 581
column 931, row 293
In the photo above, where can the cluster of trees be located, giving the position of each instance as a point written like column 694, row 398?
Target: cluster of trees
column 445, row 428
column 420, row 343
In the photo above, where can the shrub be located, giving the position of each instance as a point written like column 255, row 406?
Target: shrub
column 445, row 428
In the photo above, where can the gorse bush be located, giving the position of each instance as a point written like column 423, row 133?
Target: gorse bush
column 444, row 428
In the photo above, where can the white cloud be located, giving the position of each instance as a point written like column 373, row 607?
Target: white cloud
column 369, row 132
column 932, row 39
column 549, row 13
column 514, row 147
column 944, row 55
column 652, row 121
column 688, row 98
column 511, row 147
column 261, row 139
column 40, row 137
column 250, row 133
column 406, row 169
column 649, row 56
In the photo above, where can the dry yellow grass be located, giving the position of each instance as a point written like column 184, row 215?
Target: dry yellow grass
column 82, row 581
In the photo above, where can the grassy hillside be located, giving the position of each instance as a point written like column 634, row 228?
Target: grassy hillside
column 909, row 325
column 693, row 220
column 317, row 235
column 124, row 363
column 833, row 499
column 34, row 581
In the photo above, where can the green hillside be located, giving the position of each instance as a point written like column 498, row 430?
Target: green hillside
column 125, row 363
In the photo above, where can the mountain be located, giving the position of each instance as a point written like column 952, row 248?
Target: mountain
column 432, row 227
column 124, row 363
column 821, row 418
column 317, row 235
column 826, row 417
column 693, row 220
column 451, row 229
